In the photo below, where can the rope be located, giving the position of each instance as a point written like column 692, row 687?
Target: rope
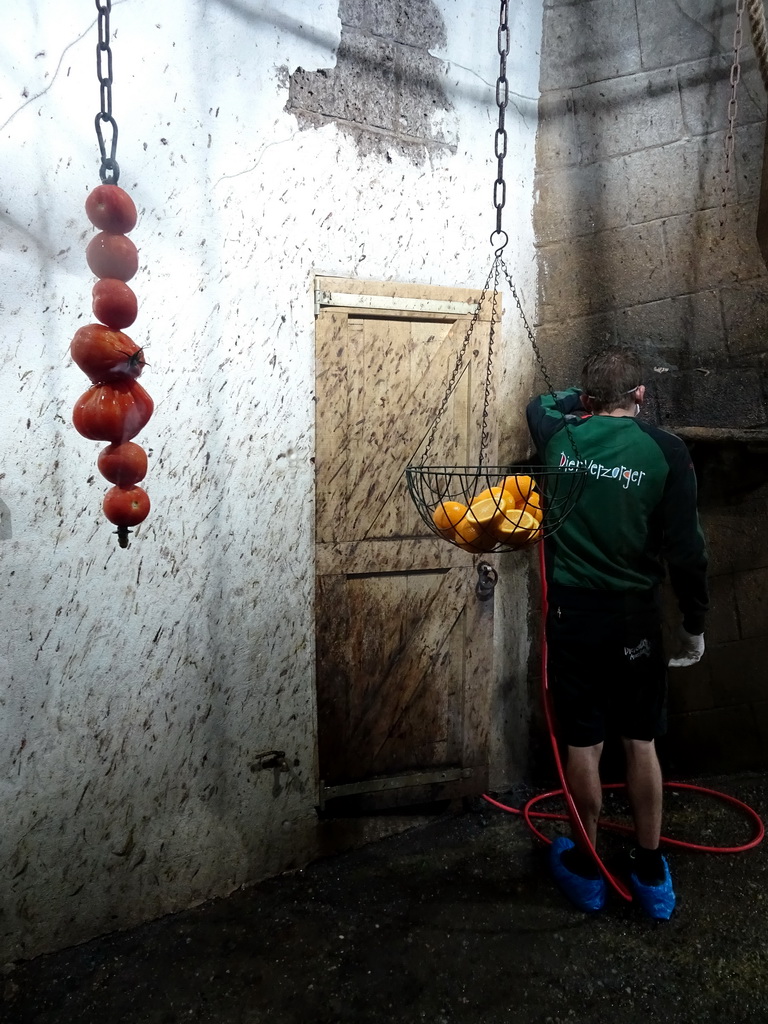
column 756, row 12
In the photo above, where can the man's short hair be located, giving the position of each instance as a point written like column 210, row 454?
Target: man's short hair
column 610, row 376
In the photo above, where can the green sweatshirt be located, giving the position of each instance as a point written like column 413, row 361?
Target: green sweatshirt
column 637, row 509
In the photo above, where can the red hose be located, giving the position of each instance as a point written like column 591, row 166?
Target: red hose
column 528, row 813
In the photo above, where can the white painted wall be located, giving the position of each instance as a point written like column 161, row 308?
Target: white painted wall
column 138, row 684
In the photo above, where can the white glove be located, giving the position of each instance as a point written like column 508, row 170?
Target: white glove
column 689, row 649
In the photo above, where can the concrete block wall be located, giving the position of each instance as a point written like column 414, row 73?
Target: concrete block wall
column 630, row 179
column 719, row 708
column 643, row 239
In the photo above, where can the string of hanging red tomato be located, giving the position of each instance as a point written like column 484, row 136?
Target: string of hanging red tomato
column 116, row 407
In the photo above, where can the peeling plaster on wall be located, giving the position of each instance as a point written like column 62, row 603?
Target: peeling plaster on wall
column 139, row 684
column 385, row 89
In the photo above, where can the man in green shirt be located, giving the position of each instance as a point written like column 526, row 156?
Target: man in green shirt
column 636, row 515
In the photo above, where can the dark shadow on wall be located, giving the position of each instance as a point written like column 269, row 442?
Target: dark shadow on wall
column 5, row 522
column 636, row 246
column 276, row 17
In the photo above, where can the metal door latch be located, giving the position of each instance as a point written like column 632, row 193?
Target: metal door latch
column 270, row 760
column 487, row 580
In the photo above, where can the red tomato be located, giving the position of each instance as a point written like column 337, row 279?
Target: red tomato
column 126, row 506
column 106, row 355
column 113, row 412
column 123, row 464
column 114, row 303
column 110, row 255
column 109, row 208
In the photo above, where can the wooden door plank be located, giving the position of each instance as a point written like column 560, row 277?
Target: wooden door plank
column 478, row 671
column 391, row 609
column 424, row 651
column 380, row 458
column 404, row 648
column 331, row 421
column 402, row 410
column 362, row 474
column 362, row 634
column 380, row 376
column 427, row 729
column 404, row 434
column 333, row 618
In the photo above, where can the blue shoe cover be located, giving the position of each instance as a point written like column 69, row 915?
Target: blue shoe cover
column 657, row 901
column 587, row 894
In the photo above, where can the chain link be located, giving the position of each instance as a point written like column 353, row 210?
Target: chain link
column 110, row 171
column 499, row 199
column 498, row 236
column 733, row 108
column 501, row 139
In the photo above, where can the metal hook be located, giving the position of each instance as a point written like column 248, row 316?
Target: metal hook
column 502, row 237
column 487, row 580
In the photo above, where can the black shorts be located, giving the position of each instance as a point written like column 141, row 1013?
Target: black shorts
column 606, row 666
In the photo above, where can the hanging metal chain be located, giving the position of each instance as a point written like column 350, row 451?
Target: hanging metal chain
column 499, row 238
column 537, row 353
column 733, row 108
column 499, row 199
column 484, row 435
column 110, row 171
column 457, row 370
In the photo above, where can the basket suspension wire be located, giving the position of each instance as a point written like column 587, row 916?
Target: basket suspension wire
column 458, row 371
column 485, row 508
column 484, row 433
column 500, row 194
column 539, row 356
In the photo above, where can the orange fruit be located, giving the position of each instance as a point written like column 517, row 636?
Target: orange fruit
column 469, row 535
column 518, row 488
column 516, row 528
column 484, row 512
column 490, row 492
column 448, row 515
column 453, row 522
column 533, row 506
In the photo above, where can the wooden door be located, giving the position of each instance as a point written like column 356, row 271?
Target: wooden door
column 404, row 644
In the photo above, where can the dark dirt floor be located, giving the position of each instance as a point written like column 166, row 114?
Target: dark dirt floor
column 451, row 922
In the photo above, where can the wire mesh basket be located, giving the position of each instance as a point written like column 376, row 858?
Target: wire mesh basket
column 494, row 508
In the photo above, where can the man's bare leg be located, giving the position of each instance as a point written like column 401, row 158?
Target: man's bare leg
column 644, row 789
column 582, row 773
